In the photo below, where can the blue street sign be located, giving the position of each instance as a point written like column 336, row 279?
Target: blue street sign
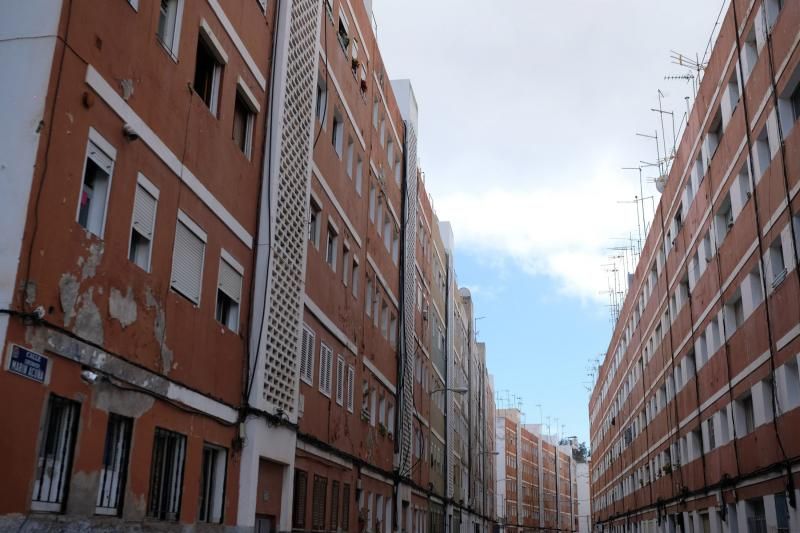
column 28, row 364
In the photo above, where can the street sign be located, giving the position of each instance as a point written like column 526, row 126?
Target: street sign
column 27, row 363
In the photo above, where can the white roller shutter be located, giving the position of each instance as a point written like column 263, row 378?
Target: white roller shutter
column 187, row 262
column 230, row 281
column 144, row 212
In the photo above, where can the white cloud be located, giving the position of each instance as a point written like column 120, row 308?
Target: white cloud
column 562, row 229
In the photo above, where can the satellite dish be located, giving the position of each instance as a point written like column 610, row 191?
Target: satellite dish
column 661, row 183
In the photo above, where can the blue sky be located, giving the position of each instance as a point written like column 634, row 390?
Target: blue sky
column 528, row 112
column 538, row 341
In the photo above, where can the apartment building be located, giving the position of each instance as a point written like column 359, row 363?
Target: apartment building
column 133, row 139
column 536, row 477
column 225, row 295
column 694, row 414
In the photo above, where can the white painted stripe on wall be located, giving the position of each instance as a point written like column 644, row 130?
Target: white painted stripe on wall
column 329, row 324
column 382, row 280
column 238, row 43
column 148, row 136
column 336, row 204
column 378, row 374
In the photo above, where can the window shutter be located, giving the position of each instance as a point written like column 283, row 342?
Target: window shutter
column 325, row 369
column 299, row 503
column 307, row 356
column 340, row 380
column 144, row 212
column 187, row 262
column 318, row 503
column 351, row 377
column 230, row 281
column 100, row 157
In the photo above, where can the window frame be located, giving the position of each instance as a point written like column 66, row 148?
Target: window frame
column 149, row 188
column 209, row 39
column 198, row 232
column 172, row 47
column 106, row 148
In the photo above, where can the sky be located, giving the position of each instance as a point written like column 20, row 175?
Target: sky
column 529, row 109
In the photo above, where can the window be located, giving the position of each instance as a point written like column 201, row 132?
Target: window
column 795, row 99
column 322, row 100
column 359, row 174
column 56, row 446
column 375, row 108
column 345, row 507
column 229, row 291
column 745, row 416
column 368, row 298
column 379, row 222
column 325, row 369
column 318, row 503
column 713, row 137
column 208, row 68
column 346, row 264
column 372, row 203
column 782, row 513
column 393, row 330
column 777, row 264
column 166, row 475
column 307, row 356
column 342, row 33
column 340, row 380
column 749, row 54
column 396, row 246
column 334, row 505
column 383, row 130
column 756, row 516
column 244, row 115
column 337, row 133
column 723, row 221
column 143, row 225
column 356, row 275
column 314, row 219
column 349, row 162
column 98, row 167
column 734, row 313
column 212, row 483
column 350, row 385
column 330, row 247
column 299, row 499
column 761, row 154
column 384, row 320
column 111, row 488
column 187, row 258
column 169, row 25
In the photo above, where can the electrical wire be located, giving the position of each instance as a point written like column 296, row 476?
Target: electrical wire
column 37, row 197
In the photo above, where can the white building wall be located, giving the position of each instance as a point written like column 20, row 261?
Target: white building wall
column 28, row 38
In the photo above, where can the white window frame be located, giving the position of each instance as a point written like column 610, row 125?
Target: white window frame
column 109, row 151
column 243, row 91
column 216, row 49
column 226, row 257
column 325, row 369
column 340, row 379
column 175, row 39
column 307, row 377
column 187, row 222
column 152, row 190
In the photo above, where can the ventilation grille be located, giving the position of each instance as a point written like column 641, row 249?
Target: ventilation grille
column 409, row 296
column 287, row 265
